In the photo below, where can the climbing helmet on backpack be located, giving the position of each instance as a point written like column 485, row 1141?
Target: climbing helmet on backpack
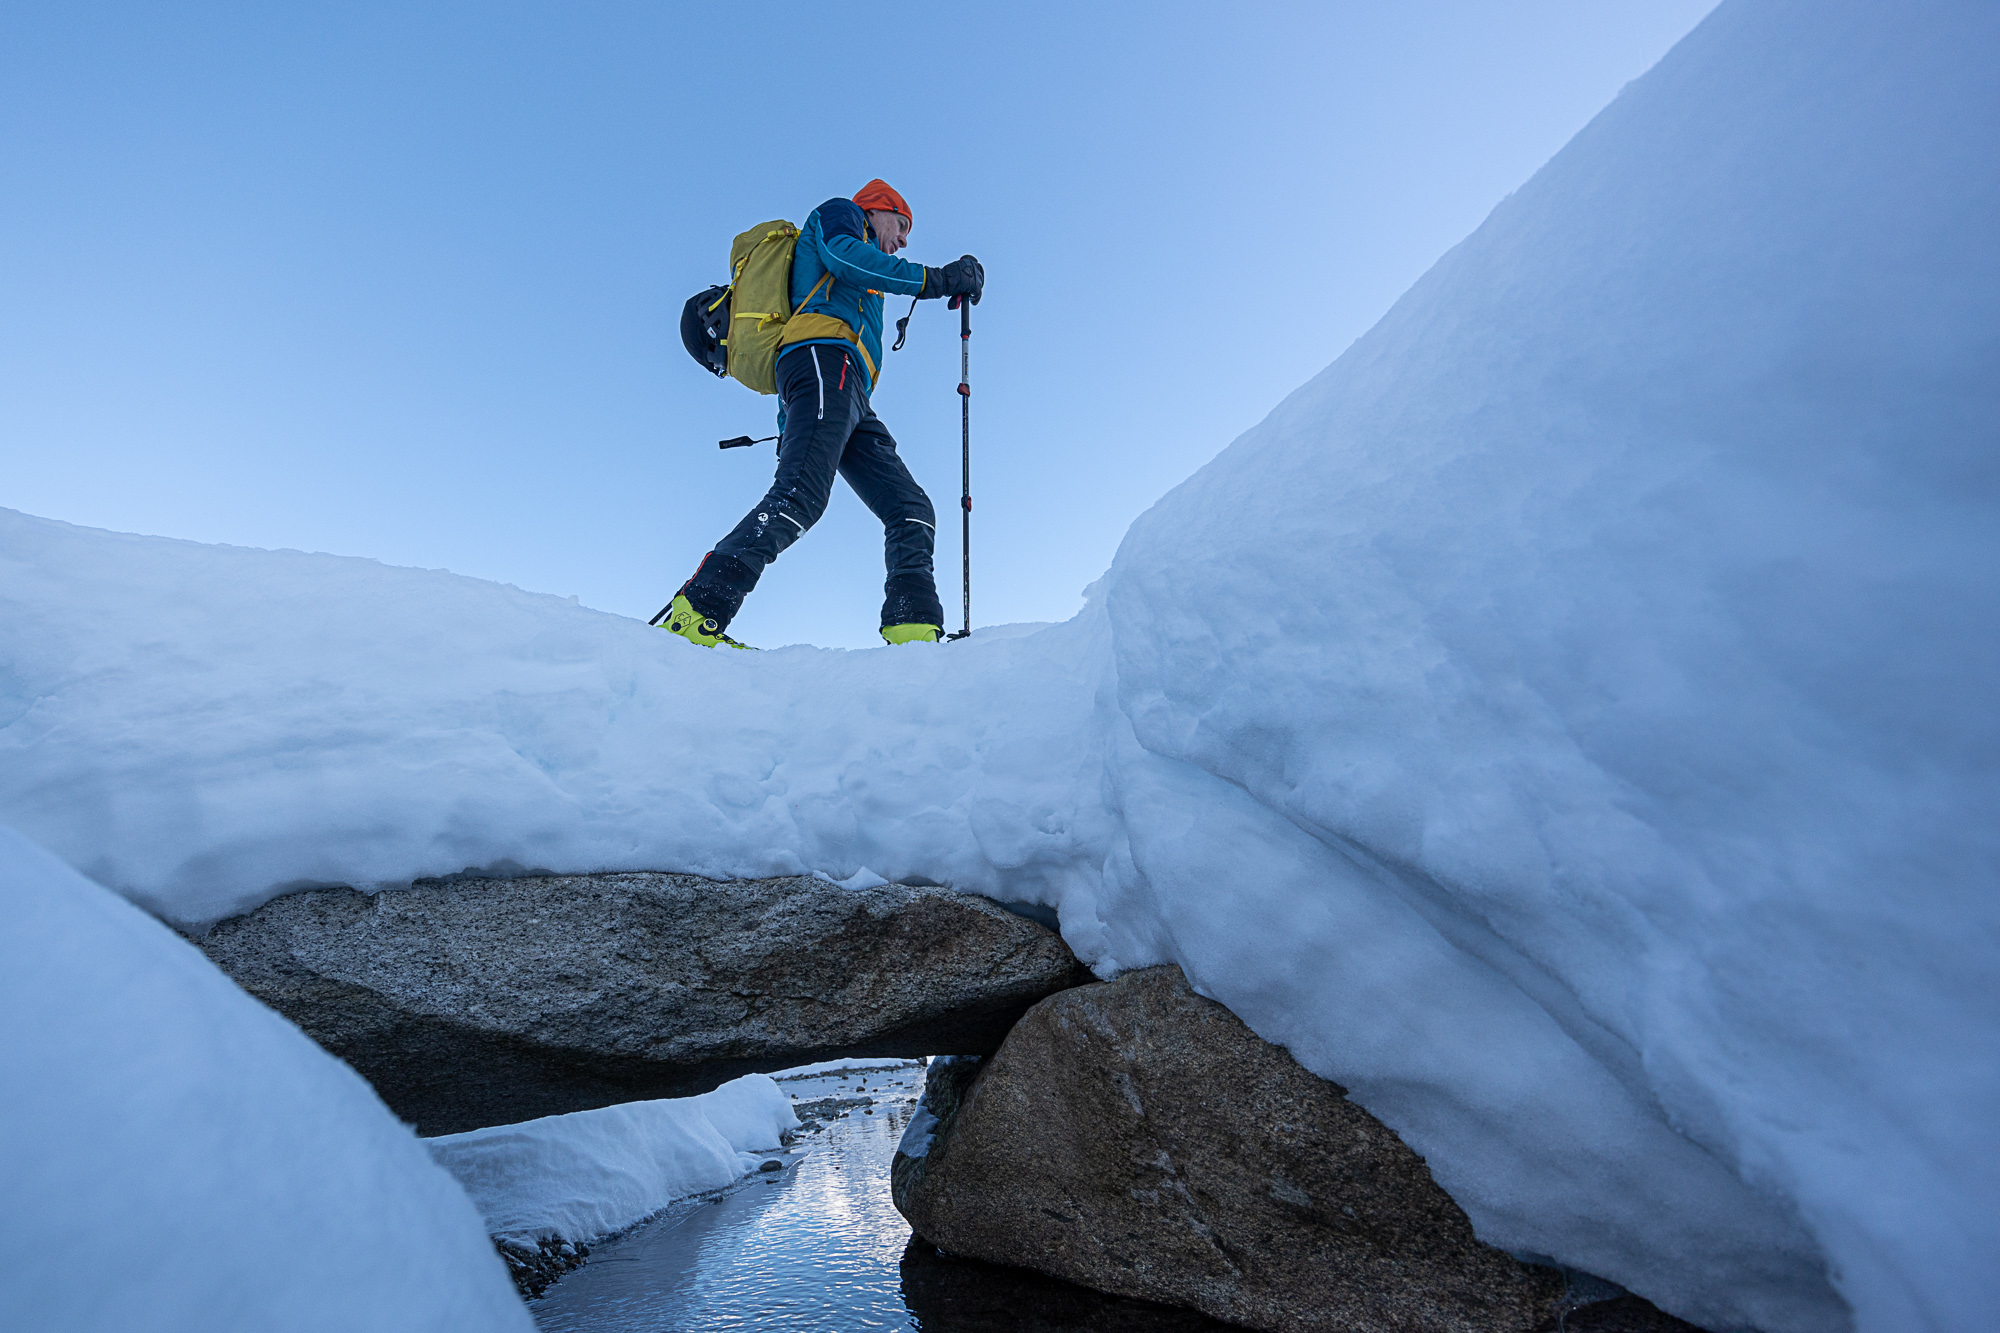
column 705, row 329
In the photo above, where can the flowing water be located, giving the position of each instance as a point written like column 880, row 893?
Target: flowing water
column 818, row 1246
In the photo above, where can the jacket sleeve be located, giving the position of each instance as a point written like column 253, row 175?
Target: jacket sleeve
column 850, row 257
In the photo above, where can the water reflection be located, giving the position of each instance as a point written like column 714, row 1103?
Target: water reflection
column 820, row 1247
column 947, row 1295
column 815, row 1248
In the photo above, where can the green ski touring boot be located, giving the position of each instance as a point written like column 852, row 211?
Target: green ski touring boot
column 680, row 617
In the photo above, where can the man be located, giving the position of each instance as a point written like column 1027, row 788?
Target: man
column 832, row 355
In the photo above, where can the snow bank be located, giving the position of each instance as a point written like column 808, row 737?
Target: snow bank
column 201, row 727
column 178, row 1157
column 1567, row 721
column 1611, row 662
column 590, row 1173
column 847, row 1065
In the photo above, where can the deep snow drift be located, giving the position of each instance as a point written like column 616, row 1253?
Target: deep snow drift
column 1567, row 721
column 178, row 1157
column 590, row 1173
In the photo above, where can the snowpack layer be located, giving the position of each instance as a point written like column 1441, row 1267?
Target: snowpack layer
column 179, row 1158
column 590, row 1173
column 1567, row 721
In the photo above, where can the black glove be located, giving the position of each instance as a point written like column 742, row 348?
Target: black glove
column 961, row 277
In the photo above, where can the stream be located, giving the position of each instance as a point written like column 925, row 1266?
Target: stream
column 819, row 1246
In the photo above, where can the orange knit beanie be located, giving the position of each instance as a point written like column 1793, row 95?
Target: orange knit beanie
column 877, row 194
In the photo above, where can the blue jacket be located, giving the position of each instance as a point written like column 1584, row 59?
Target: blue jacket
column 838, row 272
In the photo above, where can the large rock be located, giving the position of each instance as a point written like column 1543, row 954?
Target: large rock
column 1139, row 1139
column 483, row 1002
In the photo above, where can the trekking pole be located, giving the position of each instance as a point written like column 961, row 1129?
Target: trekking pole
column 965, row 455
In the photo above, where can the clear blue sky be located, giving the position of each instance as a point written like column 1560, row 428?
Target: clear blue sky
column 403, row 280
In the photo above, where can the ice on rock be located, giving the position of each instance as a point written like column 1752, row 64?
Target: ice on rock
column 181, row 1159
column 1568, row 721
column 919, row 1134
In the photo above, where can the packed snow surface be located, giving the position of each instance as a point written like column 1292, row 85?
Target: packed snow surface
column 1568, row 721
column 590, row 1173
column 178, row 1157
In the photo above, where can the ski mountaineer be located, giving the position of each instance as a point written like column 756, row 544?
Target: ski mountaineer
column 844, row 262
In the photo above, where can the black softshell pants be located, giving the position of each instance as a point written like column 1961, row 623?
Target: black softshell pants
column 829, row 429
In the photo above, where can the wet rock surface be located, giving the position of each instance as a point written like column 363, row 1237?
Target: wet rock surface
column 475, row 1002
column 1139, row 1139
column 815, row 1113
column 535, row 1267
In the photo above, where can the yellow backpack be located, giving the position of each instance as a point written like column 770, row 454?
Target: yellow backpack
column 735, row 330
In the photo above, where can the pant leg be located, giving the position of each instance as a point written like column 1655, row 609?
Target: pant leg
column 822, row 391
column 871, row 465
